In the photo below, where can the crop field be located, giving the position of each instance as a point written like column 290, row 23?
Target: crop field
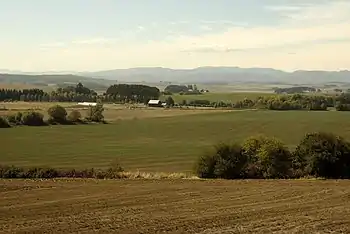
column 174, row 206
column 167, row 144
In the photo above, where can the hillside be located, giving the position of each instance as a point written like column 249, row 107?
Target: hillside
column 53, row 79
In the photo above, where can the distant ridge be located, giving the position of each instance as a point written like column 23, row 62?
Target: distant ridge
column 221, row 75
column 206, row 74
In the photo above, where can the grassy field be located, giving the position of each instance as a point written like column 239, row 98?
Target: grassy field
column 170, row 144
column 225, row 97
column 174, row 206
column 112, row 112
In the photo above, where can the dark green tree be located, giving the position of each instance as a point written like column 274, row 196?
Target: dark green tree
column 57, row 114
column 33, row 118
column 323, row 155
column 225, row 161
column 4, row 123
column 170, row 101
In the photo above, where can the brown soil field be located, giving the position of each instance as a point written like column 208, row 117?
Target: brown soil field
column 174, row 206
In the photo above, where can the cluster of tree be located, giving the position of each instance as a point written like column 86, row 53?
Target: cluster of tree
column 116, row 93
column 57, row 115
column 21, row 95
column 281, row 102
column 183, row 90
column 318, row 155
column 131, row 93
column 343, row 102
column 176, row 89
column 79, row 93
column 294, row 90
column 78, row 89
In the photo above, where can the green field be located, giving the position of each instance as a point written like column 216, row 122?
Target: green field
column 216, row 97
column 169, row 144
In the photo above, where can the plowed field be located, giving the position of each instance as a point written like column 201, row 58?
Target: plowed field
column 174, row 206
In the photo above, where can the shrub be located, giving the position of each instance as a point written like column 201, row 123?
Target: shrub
column 342, row 107
column 15, row 119
column 267, row 158
column 57, row 114
column 170, row 101
column 205, row 166
column 323, row 155
column 33, row 118
column 4, row 123
column 10, row 172
column 226, row 161
column 74, row 116
column 45, row 173
column 95, row 113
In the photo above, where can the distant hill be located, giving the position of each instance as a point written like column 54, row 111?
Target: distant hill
column 59, row 79
column 155, row 75
column 221, row 75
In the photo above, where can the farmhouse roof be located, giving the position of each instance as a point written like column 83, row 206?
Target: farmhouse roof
column 154, row 102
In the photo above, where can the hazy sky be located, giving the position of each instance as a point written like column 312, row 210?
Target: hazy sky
column 81, row 35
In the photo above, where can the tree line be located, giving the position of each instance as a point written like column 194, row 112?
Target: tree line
column 295, row 90
column 132, row 93
column 121, row 93
column 281, row 102
column 57, row 115
column 317, row 155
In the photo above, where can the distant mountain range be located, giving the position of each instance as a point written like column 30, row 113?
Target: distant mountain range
column 214, row 75
column 221, row 75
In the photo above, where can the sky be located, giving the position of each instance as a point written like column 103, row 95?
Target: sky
column 92, row 35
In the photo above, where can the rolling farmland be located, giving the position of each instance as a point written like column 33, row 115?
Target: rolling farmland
column 170, row 144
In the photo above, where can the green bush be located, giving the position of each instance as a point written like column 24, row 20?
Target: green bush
column 33, row 118
column 44, row 173
column 95, row 113
column 205, row 166
column 267, row 158
column 4, row 123
column 57, row 114
column 225, row 161
column 323, row 155
column 259, row 157
column 12, row 172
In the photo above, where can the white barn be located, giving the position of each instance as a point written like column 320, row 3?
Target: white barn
column 87, row 103
column 154, row 103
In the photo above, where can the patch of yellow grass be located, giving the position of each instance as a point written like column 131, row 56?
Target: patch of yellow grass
column 156, row 175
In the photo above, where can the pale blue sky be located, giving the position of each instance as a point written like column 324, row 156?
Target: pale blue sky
column 41, row 35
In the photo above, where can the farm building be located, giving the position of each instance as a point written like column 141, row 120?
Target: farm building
column 155, row 103
column 87, row 103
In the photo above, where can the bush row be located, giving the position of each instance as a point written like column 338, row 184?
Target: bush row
column 57, row 115
column 12, row 172
column 318, row 155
